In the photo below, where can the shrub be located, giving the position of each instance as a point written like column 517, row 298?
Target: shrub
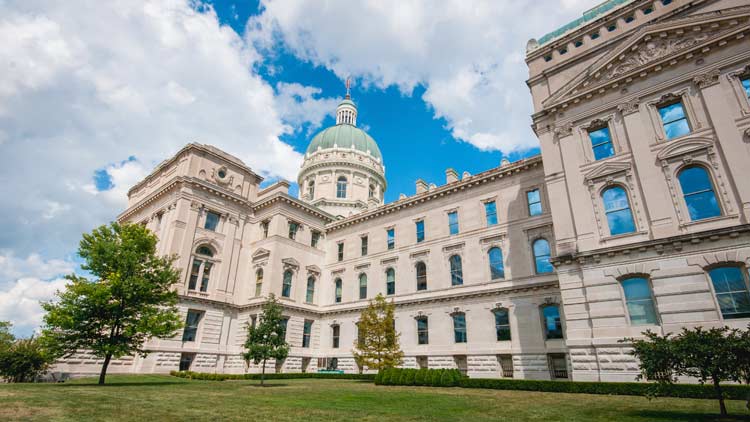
column 409, row 376
column 419, row 378
column 24, row 360
column 223, row 377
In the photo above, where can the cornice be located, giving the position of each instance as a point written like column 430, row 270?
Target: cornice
column 280, row 197
column 342, row 163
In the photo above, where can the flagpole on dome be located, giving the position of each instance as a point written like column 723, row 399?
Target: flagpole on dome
column 348, row 86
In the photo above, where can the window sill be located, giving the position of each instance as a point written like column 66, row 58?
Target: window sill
column 708, row 220
column 623, row 236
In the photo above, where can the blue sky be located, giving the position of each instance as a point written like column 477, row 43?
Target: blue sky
column 94, row 96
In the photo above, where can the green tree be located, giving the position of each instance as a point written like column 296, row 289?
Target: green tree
column 377, row 346
column 24, row 360
column 265, row 339
column 741, row 350
column 6, row 337
column 129, row 301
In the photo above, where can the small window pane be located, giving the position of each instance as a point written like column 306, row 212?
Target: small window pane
column 502, row 325
column 459, row 328
column 453, row 222
column 420, row 231
column 601, row 143
column 731, row 291
column 497, row 271
column 336, row 331
column 674, row 120
column 457, row 274
column 310, row 290
column 421, row 276
column 340, row 254
column 363, row 247
column 191, row 325
column 390, row 281
column 338, row 290
column 286, row 288
column 341, row 187
column 306, row 333
column 552, row 323
column 391, row 233
column 542, row 256
column 423, row 331
column 535, row 202
column 363, row 286
column 206, row 276
column 490, row 211
column 639, row 301
column 617, row 209
column 212, row 221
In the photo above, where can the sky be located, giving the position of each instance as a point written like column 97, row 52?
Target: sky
column 93, row 95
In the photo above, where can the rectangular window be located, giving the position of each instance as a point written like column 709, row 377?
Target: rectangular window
column 558, row 366
column 258, row 288
column 310, row 293
column 420, row 230
column 212, row 221
column 335, row 333
column 264, row 228
column 293, row 227
column 746, row 86
column 206, row 276
column 459, row 328
column 284, row 324
column 674, row 120
column 340, row 254
column 423, row 336
column 364, row 245
column 186, row 360
column 191, row 325
column 552, row 323
column 506, row 365
column 490, row 212
column 391, row 238
column 534, row 199
column 253, row 320
column 502, row 325
column 601, row 143
column 453, row 222
column 306, row 333
column 315, row 238
column 194, row 274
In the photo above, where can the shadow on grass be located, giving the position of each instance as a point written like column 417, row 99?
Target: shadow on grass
column 669, row 415
column 122, row 384
column 267, row 385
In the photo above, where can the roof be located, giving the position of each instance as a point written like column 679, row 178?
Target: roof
column 589, row 15
column 344, row 136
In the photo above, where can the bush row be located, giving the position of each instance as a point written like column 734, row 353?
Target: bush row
column 271, row 376
column 423, row 377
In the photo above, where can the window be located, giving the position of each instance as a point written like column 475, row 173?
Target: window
column 594, row 35
column 497, row 271
column 698, row 192
column 506, row 365
column 459, row 328
column 204, row 250
column 191, row 325
column 617, row 210
column 457, row 273
column 201, row 269
column 629, row 19
column 552, row 323
column 340, row 253
column 264, row 228
column 258, row 281
column 541, row 256
column 286, row 287
column 502, row 324
column 314, row 238
column 578, row 43
column 306, row 333
column 639, row 301
column 611, row 27
column 212, row 221
column 363, row 286
column 341, row 187
column 730, row 286
column 293, row 227
column 311, row 189
column 371, row 191
column 284, row 323
column 420, row 230
column 558, row 366
column 453, row 222
column 601, row 143
column 364, row 245
column 253, row 320
column 535, row 202
column 310, row 294
column 746, row 85
column 335, row 332
column 186, row 360
column 647, row 11
column 338, row 289
column 390, row 281
column 391, row 234
column 423, row 335
column 490, row 213
column 674, row 120
column 421, row 276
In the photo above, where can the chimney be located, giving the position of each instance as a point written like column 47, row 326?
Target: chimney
column 450, row 176
column 421, row 186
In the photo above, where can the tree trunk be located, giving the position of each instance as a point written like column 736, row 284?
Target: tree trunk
column 263, row 373
column 720, row 396
column 103, row 373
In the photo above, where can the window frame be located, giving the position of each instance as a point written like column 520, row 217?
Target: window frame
column 535, row 258
column 310, row 292
column 529, row 203
column 457, row 338
column 338, row 290
column 490, row 262
column 607, row 212
column 315, row 236
column 743, row 269
column 284, row 283
column 195, row 329
column 335, row 336
column 545, row 330
column 664, row 123
column 362, row 284
column 652, row 298
column 206, row 221
column 341, row 189
column 390, row 281
column 206, row 263
column 454, row 227
column 294, row 228
column 364, row 245
column 417, row 225
column 423, row 333
column 421, row 279
column 390, row 234
column 456, row 270
column 259, row 274
column 488, row 214
column 307, row 333
column 340, row 251
column 610, row 140
column 498, row 326
column 711, row 179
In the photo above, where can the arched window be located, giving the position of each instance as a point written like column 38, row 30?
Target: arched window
column 338, row 289
column 341, row 187
column 639, row 301
column 459, row 327
column 390, row 281
column 363, row 286
column 421, row 275
column 258, row 281
column 204, row 250
column 286, row 287
column 310, row 294
column 617, row 209
column 552, row 322
column 201, row 269
column 541, row 256
column 698, row 192
column 497, row 271
column 457, row 272
column 502, row 324
column 371, row 191
column 731, row 288
column 311, row 189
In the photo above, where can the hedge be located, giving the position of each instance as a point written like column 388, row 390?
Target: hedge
column 422, row 377
column 272, row 376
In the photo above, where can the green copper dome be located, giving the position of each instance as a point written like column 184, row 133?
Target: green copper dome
column 344, row 136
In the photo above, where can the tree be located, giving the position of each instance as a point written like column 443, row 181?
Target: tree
column 377, row 346
column 6, row 338
column 265, row 339
column 24, row 360
column 741, row 351
column 129, row 302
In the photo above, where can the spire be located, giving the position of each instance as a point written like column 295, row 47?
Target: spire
column 348, row 86
column 346, row 112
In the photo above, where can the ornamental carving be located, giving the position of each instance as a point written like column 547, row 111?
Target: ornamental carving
column 564, row 129
column 629, row 107
column 707, row 79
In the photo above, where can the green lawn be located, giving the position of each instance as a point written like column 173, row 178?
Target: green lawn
column 163, row 398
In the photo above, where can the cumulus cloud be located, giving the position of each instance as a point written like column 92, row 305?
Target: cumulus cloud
column 300, row 105
column 20, row 304
column 12, row 268
column 468, row 54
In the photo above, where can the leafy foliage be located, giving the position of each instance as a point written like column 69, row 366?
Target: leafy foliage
column 25, row 360
column 265, row 339
column 378, row 344
column 6, row 337
column 421, row 377
column 130, row 300
column 284, row 376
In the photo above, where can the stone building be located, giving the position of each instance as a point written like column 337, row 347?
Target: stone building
column 634, row 217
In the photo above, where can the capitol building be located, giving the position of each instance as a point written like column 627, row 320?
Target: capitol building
column 635, row 216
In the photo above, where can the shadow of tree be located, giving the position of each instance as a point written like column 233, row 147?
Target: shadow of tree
column 671, row 415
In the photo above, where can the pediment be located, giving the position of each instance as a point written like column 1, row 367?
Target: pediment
column 313, row 269
column 650, row 49
column 260, row 254
column 683, row 147
column 290, row 262
column 606, row 169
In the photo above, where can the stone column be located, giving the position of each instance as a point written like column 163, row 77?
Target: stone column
column 562, row 218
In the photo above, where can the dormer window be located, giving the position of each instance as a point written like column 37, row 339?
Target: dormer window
column 594, row 35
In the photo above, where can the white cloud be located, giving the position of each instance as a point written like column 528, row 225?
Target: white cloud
column 20, row 304
column 12, row 268
column 468, row 54
column 301, row 104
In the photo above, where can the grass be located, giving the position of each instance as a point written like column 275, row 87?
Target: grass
column 163, row 398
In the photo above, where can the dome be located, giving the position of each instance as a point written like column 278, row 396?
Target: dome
column 345, row 136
